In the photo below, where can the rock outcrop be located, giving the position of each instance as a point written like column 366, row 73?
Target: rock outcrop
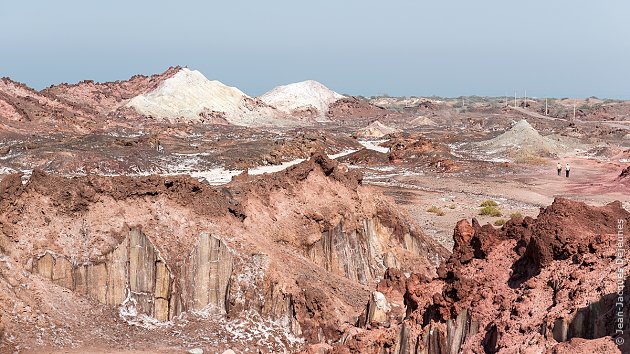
column 418, row 150
column 352, row 108
column 551, row 284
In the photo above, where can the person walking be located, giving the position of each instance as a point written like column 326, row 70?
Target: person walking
column 567, row 169
column 559, row 167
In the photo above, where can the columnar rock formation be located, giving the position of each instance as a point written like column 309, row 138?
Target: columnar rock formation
column 300, row 249
column 134, row 274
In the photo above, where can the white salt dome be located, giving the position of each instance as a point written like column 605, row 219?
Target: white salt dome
column 188, row 93
column 301, row 96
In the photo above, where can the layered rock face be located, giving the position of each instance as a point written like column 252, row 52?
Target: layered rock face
column 23, row 108
column 552, row 284
column 297, row 251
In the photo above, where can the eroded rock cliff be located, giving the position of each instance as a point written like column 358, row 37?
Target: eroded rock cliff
column 288, row 258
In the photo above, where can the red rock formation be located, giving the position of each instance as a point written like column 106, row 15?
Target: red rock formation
column 22, row 108
column 418, row 150
column 105, row 98
column 537, row 285
column 353, row 108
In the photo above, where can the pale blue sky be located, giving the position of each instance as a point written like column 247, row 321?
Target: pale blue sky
column 555, row 48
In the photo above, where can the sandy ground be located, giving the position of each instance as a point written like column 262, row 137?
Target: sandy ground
column 459, row 198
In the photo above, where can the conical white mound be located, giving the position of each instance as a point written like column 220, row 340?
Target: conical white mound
column 523, row 139
column 188, row 94
column 300, row 97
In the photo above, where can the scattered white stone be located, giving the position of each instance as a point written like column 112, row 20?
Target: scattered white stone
column 378, row 308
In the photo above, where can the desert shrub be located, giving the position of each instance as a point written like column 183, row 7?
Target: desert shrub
column 452, row 206
column 488, row 202
column 435, row 210
column 499, row 222
column 490, row 211
column 516, row 214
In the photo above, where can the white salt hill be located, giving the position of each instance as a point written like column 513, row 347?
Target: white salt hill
column 303, row 99
column 189, row 95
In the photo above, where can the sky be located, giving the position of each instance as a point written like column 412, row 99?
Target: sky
column 551, row 48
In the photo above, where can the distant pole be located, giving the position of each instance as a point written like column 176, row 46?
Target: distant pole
column 514, row 98
column 525, row 101
column 506, row 104
column 546, row 107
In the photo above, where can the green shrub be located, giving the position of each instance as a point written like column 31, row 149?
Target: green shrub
column 488, row 203
column 499, row 222
column 435, row 210
column 490, row 211
column 516, row 214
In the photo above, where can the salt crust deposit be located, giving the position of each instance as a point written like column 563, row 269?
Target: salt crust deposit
column 188, row 93
column 301, row 96
column 375, row 145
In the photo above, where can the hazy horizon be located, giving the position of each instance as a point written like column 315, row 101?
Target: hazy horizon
column 400, row 48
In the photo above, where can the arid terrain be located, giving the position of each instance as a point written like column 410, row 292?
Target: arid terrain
column 176, row 214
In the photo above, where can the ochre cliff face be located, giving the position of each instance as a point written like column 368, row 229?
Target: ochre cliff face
column 300, row 249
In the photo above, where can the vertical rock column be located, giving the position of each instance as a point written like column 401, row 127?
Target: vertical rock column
column 142, row 261
column 133, row 266
column 207, row 275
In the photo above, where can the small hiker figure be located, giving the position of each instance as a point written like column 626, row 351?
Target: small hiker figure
column 559, row 167
column 567, row 169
